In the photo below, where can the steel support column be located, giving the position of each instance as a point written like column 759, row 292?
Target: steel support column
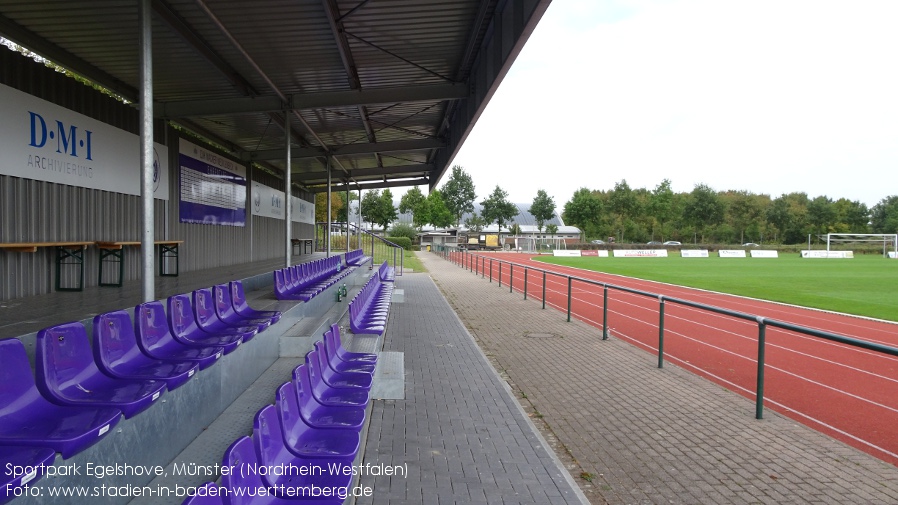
column 147, row 233
column 287, row 217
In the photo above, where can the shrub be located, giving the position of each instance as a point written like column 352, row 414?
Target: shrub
column 404, row 230
column 404, row 242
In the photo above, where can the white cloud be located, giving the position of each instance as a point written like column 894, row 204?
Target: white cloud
column 768, row 96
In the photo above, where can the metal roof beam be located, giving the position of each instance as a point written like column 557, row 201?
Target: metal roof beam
column 367, row 172
column 351, row 149
column 353, row 98
column 40, row 45
column 377, row 185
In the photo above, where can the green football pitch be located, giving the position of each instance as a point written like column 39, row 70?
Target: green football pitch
column 864, row 285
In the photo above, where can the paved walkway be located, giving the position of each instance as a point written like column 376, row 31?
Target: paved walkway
column 630, row 432
column 459, row 431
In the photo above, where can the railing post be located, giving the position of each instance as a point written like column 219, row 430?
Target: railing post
column 759, row 395
column 605, row 313
column 569, row 298
column 491, row 269
column 661, row 332
column 511, row 277
column 500, row 274
column 544, row 290
column 525, row 282
column 483, row 268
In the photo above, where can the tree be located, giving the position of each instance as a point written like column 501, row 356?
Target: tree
column 438, row 214
column 458, row 193
column 496, row 208
column 321, row 207
column 386, row 212
column 551, row 229
column 851, row 216
column 704, row 208
column 415, row 202
column 661, row 205
column 514, row 229
column 583, row 210
column 744, row 209
column 370, row 206
column 821, row 214
column 403, row 230
column 623, row 203
column 542, row 209
column 475, row 223
column 884, row 215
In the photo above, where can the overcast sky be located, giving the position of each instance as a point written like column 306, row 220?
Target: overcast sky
column 770, row 96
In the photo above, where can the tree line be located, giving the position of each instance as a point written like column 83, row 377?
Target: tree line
column 708, row 216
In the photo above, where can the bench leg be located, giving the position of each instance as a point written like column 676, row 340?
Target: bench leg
column 117, row 256
column 168, row 252
column 76, row 257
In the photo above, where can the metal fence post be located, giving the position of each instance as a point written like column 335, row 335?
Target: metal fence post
column 491, row 269
column 661, row 332
column 759, row 396
column 605, row 313
column 500, row 274
column 482, row 268
column 569, row 299
column 525, row 282
column 544, row 290
column 511, row 277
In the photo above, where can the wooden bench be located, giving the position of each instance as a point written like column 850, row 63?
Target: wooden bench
column 67, row 253
column 113, row 252
column 304, row 243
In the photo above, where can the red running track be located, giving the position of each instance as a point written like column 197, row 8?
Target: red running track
column 847, row 392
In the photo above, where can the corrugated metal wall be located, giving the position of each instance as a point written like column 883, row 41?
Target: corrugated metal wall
column 36, row 211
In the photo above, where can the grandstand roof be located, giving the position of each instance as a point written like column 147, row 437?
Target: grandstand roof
column 387, row 89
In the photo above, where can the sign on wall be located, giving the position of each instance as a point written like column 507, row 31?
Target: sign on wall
column 269, row 202
column 212, row 187
column 42, row 141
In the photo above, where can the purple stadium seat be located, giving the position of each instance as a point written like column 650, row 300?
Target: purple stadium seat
column 327, row 395
column 66, row 374
column 241, row 455
column 323, row 416
column 117, row 354
column 283, row 290
column 318, row 368
column 224, row 308
column 15, row 457
column 207, row 494
column 338, row 365
column 207, row 319
column 185, row 330
column 156, row 341
column 268, row 441
column 238, row 298
column 309, row 442
column 27, row 418
column 332, row 337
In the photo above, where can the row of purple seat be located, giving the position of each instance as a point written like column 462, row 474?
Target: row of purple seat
column 357, row 258
column 386, row 272
column 304, row 281
column 79, row 391
column 314, row 425
column 369, row 309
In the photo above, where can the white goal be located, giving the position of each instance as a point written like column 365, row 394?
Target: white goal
column 889, row 241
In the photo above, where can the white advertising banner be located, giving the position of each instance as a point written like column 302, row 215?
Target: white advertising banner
column 267, row 202
column 893, row 255
column 694, row 253
column 42, row 141
column 827, row 254
column 303, row 211
column 566, row 252
column 640, row 253
column 731, row 253
column 764, row 253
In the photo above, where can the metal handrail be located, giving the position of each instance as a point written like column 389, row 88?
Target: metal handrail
column 476, row 261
